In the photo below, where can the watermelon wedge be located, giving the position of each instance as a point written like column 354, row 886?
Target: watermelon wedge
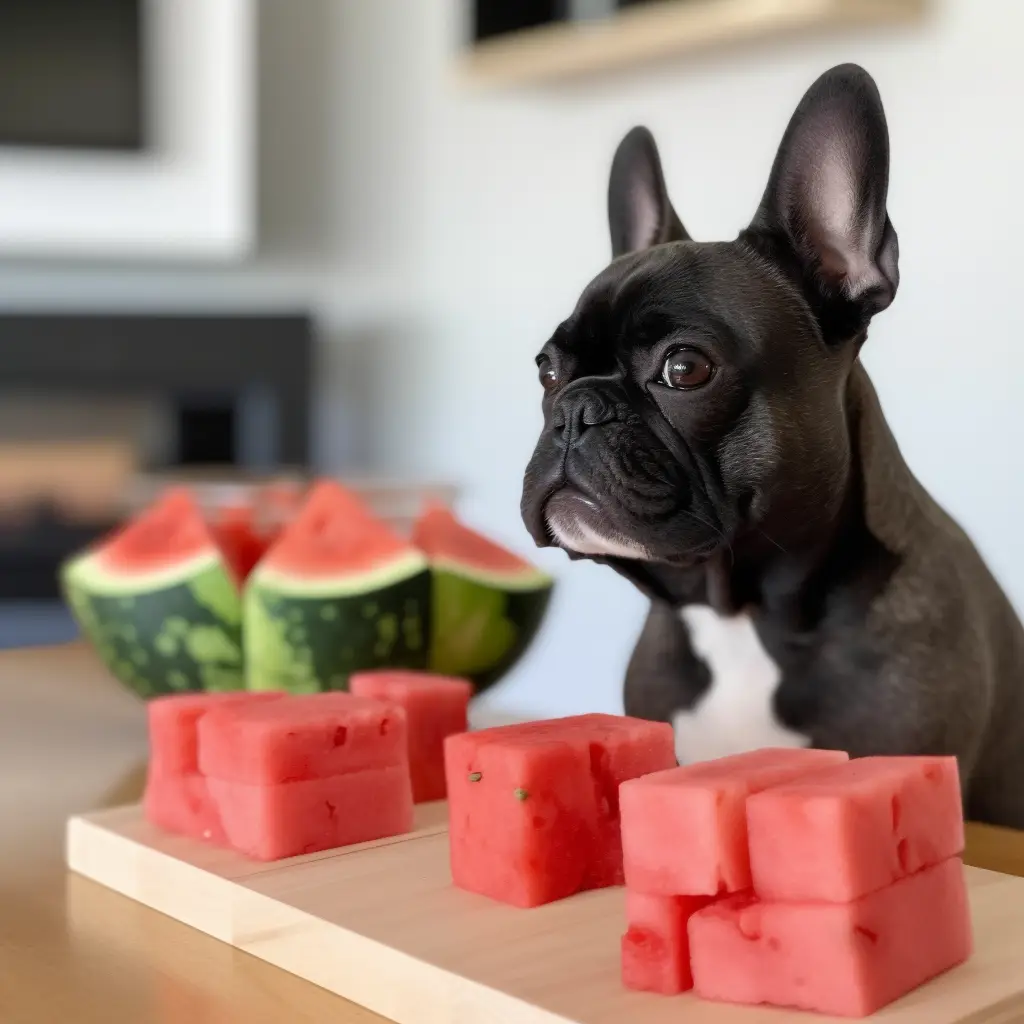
column 338, row 592
column 487, row 602
column 243, row 545
column 159, row 603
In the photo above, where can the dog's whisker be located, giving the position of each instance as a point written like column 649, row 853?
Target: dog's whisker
column 771, row 539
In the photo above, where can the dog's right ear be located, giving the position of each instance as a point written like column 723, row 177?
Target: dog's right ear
column 640, row 213
column 825, row 204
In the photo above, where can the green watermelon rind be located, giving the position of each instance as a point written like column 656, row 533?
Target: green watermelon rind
column 308, row 636
column 177, row 629
column 483, row 622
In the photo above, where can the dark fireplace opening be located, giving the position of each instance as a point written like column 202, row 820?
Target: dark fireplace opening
column 207, row 432
column 146, row 393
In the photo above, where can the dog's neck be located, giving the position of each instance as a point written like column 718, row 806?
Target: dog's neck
column 857, row 546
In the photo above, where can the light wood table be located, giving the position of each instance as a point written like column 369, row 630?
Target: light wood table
column 72, row 952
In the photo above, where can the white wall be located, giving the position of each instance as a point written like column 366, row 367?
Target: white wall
column 512, row 225
column 442, row 234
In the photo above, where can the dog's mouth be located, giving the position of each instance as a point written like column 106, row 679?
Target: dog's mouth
column 576, row 522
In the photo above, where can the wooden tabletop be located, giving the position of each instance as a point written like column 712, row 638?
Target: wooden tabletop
column 71, row 952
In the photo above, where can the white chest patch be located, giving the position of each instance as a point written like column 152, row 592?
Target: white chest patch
column 735, row 714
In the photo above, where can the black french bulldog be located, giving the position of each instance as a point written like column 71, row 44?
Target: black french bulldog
column 710, row 433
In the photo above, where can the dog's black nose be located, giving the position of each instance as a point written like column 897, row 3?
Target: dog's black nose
column 576, row 411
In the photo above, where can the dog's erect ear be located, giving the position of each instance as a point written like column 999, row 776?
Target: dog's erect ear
column 825, row 201
column 640, row 213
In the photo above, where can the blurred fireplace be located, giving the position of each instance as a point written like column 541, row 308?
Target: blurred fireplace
column 87, row 402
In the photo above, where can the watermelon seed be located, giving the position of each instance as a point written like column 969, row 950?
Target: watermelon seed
column 521, row 794
column 340, row 735
column 475, row 776
column 384, row 723
column 331, row 809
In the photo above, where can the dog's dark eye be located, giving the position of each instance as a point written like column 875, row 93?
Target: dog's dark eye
column 548, row 375
column 687, row 368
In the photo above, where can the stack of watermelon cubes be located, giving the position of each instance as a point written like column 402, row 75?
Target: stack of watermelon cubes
column 796, row 878
column 275, row 775
column 307, row 773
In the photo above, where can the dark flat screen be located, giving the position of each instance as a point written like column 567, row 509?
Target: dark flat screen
column 71, row 74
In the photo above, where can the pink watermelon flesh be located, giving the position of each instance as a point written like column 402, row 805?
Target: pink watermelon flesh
column 173, row 724
column 436, row 707
column 241, row 544
column 656, row 947
column 440, row 536
column 169, row 532
column 847, row 959
column 315, row 736
column 176, row 796
column 684, row 830
column 533, row 809
column 183, row 804
column 856, row 828
column 268, row 822
column 333, row 534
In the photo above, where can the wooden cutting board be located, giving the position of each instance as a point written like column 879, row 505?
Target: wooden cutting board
column 382, row 925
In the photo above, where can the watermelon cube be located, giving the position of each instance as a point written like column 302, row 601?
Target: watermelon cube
column 268, row 822
column 183, row 804
column 855, row 828
column 435, row 707
column 315, row 736
column 533, row 808
column 176, row 797
column 684, row 830
column 848, row 959
column 656, row 946
column 173, row 722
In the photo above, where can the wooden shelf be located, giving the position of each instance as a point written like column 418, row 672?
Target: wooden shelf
column 651, row 32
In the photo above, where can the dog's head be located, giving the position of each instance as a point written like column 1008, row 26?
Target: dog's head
column 695, row 397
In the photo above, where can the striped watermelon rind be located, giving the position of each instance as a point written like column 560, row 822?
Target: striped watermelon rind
column 304, row 636
column 174, row 628
column 337, row 593
column 487, row 604
column 481, row 628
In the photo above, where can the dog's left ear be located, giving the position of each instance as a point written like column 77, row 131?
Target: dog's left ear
column 640, row 213
column 825, row 204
